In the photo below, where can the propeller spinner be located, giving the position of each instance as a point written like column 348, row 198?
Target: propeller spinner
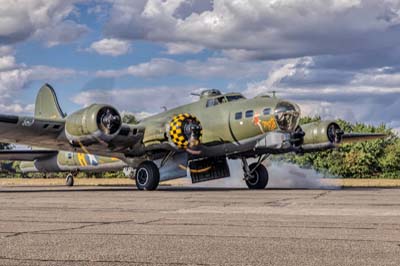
column 109, row 120
column 335, row 133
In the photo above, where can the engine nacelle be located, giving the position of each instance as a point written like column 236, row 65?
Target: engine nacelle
column 185, row 131
column 322, row 132
column 94, row 124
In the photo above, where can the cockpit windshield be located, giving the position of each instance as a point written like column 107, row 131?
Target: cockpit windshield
column 224, row 99
column 235, row 97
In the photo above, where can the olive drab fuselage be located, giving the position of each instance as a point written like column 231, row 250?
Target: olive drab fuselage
column 222, row 122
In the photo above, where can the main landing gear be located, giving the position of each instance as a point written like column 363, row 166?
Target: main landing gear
column 255, row 174
column 147, row 176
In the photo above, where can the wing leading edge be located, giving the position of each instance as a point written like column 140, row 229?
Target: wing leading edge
column 357, row 137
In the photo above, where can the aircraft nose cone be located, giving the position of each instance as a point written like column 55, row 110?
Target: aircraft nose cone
column 287, row 116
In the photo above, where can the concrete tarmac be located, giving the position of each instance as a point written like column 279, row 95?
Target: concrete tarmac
column 198, row 226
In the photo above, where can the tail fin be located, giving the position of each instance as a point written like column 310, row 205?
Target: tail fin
column 47, row 106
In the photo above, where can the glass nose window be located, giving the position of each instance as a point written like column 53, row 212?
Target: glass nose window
column 287, row 116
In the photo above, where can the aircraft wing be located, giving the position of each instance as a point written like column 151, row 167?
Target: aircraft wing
column 326, row 135
column 25, row 155
column 50, row 134
column 48, row 128
column 356, row 137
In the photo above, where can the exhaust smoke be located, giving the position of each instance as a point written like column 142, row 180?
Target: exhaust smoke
column 282, row 175
column 287, row 175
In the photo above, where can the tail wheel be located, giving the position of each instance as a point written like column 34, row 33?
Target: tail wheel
column 185, row 131
column 69, row 180
column 259, row 178
column 147, row 176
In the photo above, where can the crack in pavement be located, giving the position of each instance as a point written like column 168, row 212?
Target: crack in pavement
column 49, row 222
column 280, row 226
column 280, row 202
column 323, row 194
column 57, row 208
column 155, row 222
column 50, row 231
column 54, row 232
column 109, row 261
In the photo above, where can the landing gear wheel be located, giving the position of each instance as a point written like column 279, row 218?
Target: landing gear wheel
column 69, row 181
column 259, row 178
column 147, row 176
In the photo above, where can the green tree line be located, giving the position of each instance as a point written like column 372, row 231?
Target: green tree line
column 369, row 159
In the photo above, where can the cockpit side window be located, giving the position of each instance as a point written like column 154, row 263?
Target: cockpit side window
column 210, row 103
column 221, row 100
column 238, row 115
column 215, row 101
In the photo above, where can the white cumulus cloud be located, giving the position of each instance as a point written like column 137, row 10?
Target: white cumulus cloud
column 111, row 47
column 149, row 100
column 183, row 48
column 259, row 28
column 15, row 77
column 47, row 21
column 212, row 67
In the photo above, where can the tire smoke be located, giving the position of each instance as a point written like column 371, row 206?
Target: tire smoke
column 282, row 175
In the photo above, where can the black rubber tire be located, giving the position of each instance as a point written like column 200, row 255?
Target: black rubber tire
column 147, row 176
column 69, row 181
column 260, row 180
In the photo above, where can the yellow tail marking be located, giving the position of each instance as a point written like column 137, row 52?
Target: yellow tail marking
column 82, row 159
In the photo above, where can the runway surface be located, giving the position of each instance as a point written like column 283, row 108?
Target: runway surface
column 195, row 226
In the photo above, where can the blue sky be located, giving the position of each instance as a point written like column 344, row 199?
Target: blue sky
column 336, row 58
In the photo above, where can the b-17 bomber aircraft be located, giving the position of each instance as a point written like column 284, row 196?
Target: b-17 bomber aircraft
column 195, row 139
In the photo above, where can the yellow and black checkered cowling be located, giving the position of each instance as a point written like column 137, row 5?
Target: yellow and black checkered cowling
column 177, row 129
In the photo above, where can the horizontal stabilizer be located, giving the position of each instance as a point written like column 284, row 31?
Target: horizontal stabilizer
column 356, row 137
column 25, row 155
